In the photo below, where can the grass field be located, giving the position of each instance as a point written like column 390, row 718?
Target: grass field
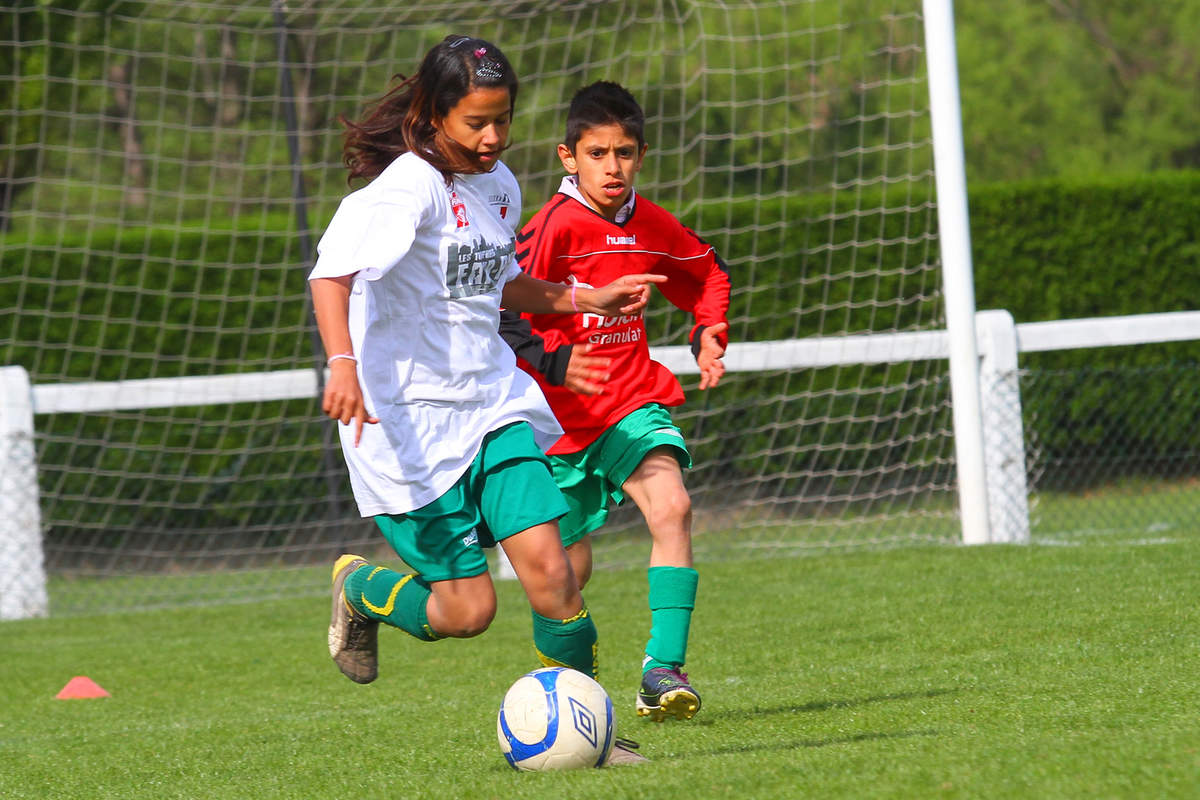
column 1040, row 672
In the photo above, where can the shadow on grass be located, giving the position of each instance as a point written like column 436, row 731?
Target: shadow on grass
column 802, row 743
column 817, row 705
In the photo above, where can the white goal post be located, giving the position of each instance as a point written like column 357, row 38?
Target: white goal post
column 22, row 573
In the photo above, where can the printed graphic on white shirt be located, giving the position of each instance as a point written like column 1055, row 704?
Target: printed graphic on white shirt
column 475, row 267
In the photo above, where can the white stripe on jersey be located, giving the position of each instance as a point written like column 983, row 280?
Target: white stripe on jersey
column 646, row 252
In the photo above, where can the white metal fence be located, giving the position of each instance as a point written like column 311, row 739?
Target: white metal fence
column 1000, row 340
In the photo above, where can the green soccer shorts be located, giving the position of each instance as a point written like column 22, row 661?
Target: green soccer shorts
column 507, row 489
column 593, row 477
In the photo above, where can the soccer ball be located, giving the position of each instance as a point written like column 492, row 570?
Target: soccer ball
column 555, row 718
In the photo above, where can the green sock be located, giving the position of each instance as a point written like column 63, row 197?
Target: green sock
column 388, row 596
column 567, row 642
column 672, row 598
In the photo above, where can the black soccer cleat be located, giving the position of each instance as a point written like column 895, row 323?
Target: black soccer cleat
column 667, row 693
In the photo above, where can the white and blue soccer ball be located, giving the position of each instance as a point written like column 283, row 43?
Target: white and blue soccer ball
column 555, row 718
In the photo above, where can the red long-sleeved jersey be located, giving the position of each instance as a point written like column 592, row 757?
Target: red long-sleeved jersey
column 568, row 242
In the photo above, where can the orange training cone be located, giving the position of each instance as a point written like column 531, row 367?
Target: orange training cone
column 81, row 687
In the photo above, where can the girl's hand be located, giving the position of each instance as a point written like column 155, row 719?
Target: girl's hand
column 343, row 398
column 626, row 295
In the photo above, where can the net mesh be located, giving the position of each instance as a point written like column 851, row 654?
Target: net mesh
column 166, row 168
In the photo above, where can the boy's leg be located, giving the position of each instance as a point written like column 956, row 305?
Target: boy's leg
column 580, row 554
column 587, row 500
column 656, row 486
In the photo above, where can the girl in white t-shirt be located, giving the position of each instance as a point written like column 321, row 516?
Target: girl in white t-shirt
column 442, row 434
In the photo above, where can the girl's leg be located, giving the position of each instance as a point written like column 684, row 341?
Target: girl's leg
column 462, row 607
column 563, row 631
column 365, row 595
column 459, row 607
column 545, row 573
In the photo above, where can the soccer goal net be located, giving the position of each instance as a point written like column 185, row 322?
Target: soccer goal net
column 166, row 167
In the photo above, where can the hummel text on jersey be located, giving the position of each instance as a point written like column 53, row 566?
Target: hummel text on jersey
column 620, row 239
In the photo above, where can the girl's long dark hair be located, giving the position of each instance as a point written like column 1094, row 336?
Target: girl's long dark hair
column 402, row 120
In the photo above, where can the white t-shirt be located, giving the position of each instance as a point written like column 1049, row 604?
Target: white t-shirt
column 430, row 262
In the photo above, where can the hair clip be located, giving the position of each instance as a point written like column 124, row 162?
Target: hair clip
column 480, row 52
column 490, row 70
column 459, row 41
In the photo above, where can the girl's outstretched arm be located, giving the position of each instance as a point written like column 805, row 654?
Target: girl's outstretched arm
column 626, row 295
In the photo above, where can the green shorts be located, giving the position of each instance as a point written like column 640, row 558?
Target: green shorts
column 592, row 477
column 507, row 489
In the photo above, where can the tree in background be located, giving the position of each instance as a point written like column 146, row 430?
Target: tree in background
column 1078, row 87
column 152, row 112
column 35, row 75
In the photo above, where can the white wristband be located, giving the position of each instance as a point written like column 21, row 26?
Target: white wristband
column 336, row 356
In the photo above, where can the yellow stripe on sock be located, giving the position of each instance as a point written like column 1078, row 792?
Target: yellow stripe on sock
column 343, row 561
column 583, row 612
column 387, row 608
column 547, row 661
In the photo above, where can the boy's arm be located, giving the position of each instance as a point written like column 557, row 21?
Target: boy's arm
column 698, row 280
column 712, row 300
column 709, row 354
column 709, row 341
column 518, row 333
column 567, row 365
column 703, row 289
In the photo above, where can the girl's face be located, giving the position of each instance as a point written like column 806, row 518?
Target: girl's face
column 479, row 122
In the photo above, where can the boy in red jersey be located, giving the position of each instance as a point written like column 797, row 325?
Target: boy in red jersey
column 609, row 396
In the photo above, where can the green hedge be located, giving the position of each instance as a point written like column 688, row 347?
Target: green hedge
column 99, row 303
column 1064, row 250
column 1045, row 250
column 1067, row 250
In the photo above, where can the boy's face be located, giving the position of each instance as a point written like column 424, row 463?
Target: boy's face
column 606, row 160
